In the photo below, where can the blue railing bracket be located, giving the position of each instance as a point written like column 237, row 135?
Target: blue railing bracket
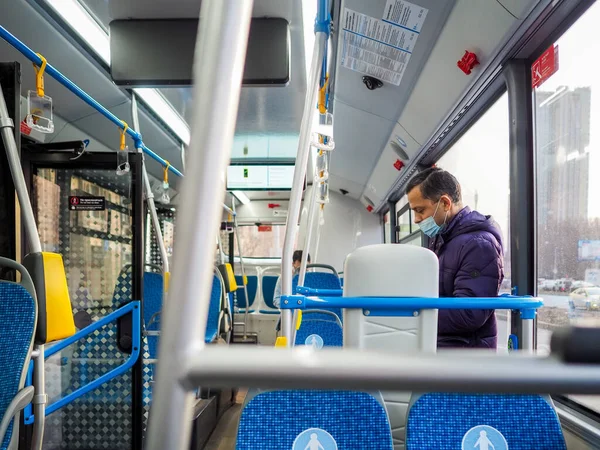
column 131, row 307
column 54, row 73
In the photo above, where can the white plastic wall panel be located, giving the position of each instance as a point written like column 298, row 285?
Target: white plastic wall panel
column 338, row 182
column 347, row 226
column 519, row 8
column 359, row 138
column 389, row 100
column 477, row 26
column 385, row 174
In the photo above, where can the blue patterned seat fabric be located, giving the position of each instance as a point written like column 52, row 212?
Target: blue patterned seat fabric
column 268, row 291
column 17, row 324
column 274, row 419
column 241, row 294
column 212, row 324
column 153, row 298
column 331, row 332
column 320, row 280
column 440, row 421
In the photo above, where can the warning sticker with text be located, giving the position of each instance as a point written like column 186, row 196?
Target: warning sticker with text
column 381, row 48
column 78, row 203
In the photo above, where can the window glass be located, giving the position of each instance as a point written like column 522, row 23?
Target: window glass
column 480, row 160
column 567, row 119
column 405, row 224
column 264, row 241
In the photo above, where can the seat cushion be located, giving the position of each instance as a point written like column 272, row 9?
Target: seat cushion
column 454, row 421
column 320, row 333
column 278, row 420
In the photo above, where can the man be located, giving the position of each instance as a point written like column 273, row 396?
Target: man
column 296, row 262
column 469, row 247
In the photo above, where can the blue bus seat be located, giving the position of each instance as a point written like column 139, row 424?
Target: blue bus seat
column 330, row 333
column 241, row 294
column 275, row 420
column 268, row 291
column 153, row 300
column 320, row 280
column 445, row 421
column 214, row 311
column 18, row 316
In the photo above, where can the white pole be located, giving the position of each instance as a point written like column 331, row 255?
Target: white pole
column 218, row 67
column 297, row 184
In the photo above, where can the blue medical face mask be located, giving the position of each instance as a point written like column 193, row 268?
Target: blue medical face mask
column 429, row 226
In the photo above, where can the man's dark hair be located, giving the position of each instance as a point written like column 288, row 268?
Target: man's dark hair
column 435, row 182
column 298, row 256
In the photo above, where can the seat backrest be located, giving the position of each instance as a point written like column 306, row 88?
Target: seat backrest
column 483, row 421
column 319, row 333
column 268, row 289
column 275, row 420
column 320, row 280
column 252, row 287
column 214, row 310
column 153, row 299
column 391, row 271
column 18, row 316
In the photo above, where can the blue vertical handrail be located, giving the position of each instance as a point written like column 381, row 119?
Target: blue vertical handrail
column 322, row 24
column 50, row 70
column 134, row 308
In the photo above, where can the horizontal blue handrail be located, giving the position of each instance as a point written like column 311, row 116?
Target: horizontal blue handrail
column 319, row 292
column 412, row 303
column 34, row 58
column 133, row 307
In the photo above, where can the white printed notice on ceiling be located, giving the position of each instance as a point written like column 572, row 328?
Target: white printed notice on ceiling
column 381, row 48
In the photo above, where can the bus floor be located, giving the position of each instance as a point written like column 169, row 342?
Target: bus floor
column 224, row 435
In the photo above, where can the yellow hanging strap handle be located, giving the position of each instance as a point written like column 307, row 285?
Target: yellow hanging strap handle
column 123, row 134
column 166, row 172
column 322, row 96
column 39, row 76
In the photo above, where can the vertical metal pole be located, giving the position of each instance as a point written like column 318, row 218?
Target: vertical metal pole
column 150, row 196
column 239, row 246
column 298, row 181
column 522, row 189
column 309, row 228
column 28, row 219
column 219, row 64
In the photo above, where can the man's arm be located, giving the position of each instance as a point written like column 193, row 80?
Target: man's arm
column 478, row 276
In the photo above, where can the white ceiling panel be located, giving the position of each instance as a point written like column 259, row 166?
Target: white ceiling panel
column 441, row 83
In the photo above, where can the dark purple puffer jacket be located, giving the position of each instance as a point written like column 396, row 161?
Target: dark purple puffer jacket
column 471, row 265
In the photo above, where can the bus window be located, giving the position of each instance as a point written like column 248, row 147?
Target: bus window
column 265, row 241
column 567, row 127
column 483, row 151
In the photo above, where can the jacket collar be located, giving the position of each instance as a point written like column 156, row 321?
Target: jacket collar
column 447, row 232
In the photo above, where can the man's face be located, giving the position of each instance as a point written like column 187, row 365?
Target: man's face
column 424, row 208
column 296, row 265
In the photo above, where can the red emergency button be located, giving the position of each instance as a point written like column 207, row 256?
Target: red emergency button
column 398, row 165
column 468, row 62
column 370, row 208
